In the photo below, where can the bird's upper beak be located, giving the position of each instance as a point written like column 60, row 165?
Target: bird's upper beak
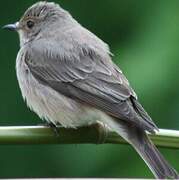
column 12, row 27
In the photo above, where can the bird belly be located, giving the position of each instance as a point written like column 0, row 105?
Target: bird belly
column 51, row 105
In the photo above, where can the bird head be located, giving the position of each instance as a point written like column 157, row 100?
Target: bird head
column 42, row 17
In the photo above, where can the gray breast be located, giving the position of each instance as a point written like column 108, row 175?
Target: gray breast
column 48, row 103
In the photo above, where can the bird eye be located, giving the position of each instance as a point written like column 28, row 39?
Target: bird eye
column 30, row 24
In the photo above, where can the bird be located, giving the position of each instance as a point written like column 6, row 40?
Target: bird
column 67, row 77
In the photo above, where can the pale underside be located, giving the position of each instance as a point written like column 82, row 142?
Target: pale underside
column 52, row 106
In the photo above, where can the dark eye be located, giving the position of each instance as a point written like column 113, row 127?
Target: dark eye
column 30, row 24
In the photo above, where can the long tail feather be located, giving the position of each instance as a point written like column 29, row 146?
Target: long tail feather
column 153, row 158
column 145, row 148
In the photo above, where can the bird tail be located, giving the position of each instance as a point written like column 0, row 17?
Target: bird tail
column 153, row 158
column 146, row 149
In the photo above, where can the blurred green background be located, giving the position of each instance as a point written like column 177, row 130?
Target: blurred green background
column 144, row 36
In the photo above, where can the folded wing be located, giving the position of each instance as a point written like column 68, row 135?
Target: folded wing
column 91, row 79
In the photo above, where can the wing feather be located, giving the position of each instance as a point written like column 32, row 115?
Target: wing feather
column 90, row 78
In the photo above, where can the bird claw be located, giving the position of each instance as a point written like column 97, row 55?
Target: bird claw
column 52, row 126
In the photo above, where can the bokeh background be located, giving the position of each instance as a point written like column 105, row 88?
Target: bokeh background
column 144, row 36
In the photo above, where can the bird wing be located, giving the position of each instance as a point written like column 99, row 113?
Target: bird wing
column 86, row 76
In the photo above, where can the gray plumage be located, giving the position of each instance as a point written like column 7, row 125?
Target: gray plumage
column 67, row 77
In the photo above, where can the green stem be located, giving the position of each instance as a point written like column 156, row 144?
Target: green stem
column 94, row 134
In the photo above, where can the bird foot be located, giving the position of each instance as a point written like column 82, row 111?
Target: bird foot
column 53, row 126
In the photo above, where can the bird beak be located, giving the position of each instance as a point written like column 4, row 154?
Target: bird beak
column 12, row 27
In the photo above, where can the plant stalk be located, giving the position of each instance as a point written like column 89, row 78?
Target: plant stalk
column 94, row 134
